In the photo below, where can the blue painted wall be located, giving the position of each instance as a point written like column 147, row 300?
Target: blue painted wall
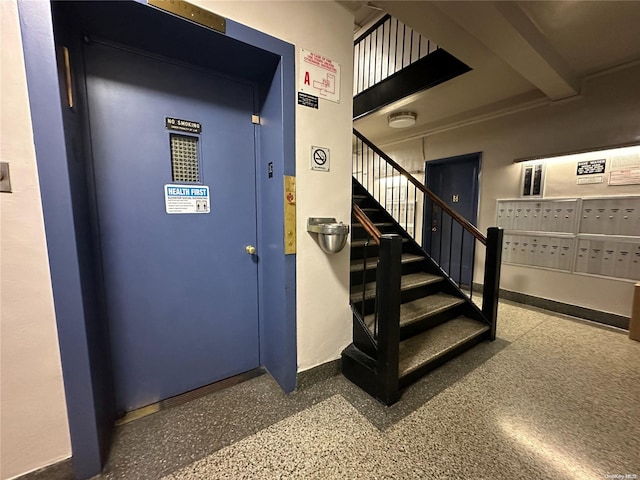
column 76, row 338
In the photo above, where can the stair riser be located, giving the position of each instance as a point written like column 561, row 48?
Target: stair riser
column 415, row 375
column 430, row 322
column 370, row 276
column 359, row 252
column 405, row 296
column 424, row 291
column 359, row 233
column 354, row 368
column 376, row 216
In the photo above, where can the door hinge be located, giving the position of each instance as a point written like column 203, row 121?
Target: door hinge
column 255, row 119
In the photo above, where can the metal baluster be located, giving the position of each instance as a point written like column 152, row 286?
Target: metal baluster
column 364, row 276
column 395, row 53
column 369, row 63
column 404, row 34
column 382, row 77
column 450, row 266
column 440, row 241
column 375, row 59
column 361, row 160
column 411, row 49
column 461, row 254
column 415, row 213
column 473, row 266
column 359, row 57
column 419, row 44
column 406, row 207
column 389, row 52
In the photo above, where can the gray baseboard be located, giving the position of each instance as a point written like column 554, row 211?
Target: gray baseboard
column 317, row 374
column 62, row 470
column 605, row 318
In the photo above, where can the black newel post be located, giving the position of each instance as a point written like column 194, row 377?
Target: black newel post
column 388, row 297
column 492, row 265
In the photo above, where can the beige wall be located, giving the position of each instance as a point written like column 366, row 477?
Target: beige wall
column 324, row 317
column 33, row 421
column 607, row 113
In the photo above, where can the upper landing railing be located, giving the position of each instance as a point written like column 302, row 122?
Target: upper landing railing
column 385, row 49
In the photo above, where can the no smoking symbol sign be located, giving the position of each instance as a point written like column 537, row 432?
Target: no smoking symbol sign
column 320, row 159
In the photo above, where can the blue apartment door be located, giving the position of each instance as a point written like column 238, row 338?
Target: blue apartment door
column 174, row 179
column 454, row 180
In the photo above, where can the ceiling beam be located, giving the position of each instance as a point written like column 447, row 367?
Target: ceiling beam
column 506, row 31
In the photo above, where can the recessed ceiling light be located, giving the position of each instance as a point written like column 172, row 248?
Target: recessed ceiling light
column 402, row 119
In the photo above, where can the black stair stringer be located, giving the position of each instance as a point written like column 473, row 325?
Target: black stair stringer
column 362, row 337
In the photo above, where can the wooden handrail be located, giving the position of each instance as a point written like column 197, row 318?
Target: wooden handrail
column 468, row 226
column 368, row 225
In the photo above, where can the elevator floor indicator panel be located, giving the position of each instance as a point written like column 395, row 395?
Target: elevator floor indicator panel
column 186, row 199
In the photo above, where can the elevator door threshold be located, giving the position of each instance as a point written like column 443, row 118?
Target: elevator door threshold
column 189, row 396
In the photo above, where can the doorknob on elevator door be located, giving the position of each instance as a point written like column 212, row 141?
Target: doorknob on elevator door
column 250, row 249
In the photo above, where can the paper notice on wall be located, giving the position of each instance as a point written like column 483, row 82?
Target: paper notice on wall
column 625, row 170
column 625, row 176
column 319, row 76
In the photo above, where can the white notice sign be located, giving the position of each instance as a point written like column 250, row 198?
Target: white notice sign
column 186, row 198
column 320, row 159
column 319, row 76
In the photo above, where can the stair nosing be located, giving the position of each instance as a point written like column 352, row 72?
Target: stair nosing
column 377, row 224
column 361, row 242
column 405, row 259
column 372, row 293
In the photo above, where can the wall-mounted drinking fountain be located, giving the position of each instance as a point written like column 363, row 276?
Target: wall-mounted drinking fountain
column 332, row 235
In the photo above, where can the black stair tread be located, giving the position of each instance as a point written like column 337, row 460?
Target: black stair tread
column 359, row 197
column 372, row 262
column 431, row 344
column 377, row 224
column 407, row 282
column 422, row 308
column 370, row 209
column 361, row 242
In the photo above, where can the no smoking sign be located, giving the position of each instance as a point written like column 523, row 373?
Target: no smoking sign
column 320, row 159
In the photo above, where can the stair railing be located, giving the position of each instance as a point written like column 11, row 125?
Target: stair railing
column 374, row 235
column 384, row 49
column 447, row 233
column 386, row 327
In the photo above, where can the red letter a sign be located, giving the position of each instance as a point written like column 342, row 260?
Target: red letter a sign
column 307, row 81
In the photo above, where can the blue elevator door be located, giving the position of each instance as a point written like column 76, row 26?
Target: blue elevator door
column 180, row 289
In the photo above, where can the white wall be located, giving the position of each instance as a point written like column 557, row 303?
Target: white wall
column 607, row 113
column 33, row 420
column 324, row 317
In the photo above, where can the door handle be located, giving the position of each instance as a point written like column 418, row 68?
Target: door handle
column 250, row 249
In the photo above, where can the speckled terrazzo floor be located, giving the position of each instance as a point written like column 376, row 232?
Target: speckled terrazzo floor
column 552, row 398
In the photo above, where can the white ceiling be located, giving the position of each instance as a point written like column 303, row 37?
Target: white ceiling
column 523, row 53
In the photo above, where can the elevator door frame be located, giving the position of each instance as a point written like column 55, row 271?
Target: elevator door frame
column 90, row 419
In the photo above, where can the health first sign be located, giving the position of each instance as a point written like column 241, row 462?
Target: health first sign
column 319, row 76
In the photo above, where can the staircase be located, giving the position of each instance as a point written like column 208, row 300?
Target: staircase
column 410, row 315
column 411, row 287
